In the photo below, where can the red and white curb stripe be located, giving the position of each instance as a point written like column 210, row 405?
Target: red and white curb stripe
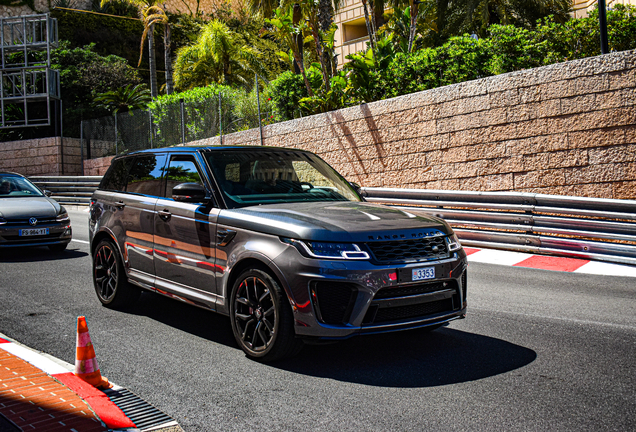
column 104, row 408
column 545, row 262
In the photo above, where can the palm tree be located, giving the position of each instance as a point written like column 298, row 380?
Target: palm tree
column 216, row 57
column 287, row 32
column 151, row 13
column 156, row 15
column 125, row 98
column 457, row 17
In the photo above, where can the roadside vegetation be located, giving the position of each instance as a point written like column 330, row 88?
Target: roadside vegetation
column 130, row 54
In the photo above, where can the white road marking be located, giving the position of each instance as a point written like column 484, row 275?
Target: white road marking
column 607, row 269
column 492, row 256
column 489, row 312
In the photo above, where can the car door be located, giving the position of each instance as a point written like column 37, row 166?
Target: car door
column 184, row 236
column 143, row 187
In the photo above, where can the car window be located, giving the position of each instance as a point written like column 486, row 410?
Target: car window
column 181, row 169
column 15, row 186
column 115, row 177
column 267, row 176
column 146, row 174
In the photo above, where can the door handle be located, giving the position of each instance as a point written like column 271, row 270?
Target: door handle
column 165, row 214
column 120, row 205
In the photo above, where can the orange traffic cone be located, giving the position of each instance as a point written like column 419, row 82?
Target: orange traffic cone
column 85, row 362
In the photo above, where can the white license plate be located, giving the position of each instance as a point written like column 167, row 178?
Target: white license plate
column 34, row 231
column 423, row 273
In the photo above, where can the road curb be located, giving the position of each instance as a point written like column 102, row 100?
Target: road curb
column 104, row 408
column 547, row 262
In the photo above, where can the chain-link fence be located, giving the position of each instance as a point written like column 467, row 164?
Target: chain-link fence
column 169, row 125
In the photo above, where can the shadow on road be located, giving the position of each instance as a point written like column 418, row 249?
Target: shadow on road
column 35, row 254
column 187, row 318
column 411, row 358
column 414, row 358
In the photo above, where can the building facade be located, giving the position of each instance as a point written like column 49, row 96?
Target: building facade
column 581, row 7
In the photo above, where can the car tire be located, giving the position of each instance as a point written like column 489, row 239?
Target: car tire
column 261, row 317
column 109, row 277
column 58, row 247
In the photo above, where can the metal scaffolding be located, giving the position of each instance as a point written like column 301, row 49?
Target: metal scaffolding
column 28, row 85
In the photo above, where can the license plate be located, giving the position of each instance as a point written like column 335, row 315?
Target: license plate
column 34, row 231
column 423, row 273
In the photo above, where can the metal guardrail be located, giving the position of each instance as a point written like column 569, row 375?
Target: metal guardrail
column 591, row 228
column 69, row 189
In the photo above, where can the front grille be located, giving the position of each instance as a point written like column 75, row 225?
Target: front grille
column 409, row 250
column 412, row 290
column 25, row 222
column 334, row 301
column 411, row 311
column 26, row 239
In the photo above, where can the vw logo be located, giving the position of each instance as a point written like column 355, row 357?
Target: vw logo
column 33, row 221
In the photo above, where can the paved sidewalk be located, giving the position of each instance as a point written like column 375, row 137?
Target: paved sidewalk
column 33, row 400
column 40, row 393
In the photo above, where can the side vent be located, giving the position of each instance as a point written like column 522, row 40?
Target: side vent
column 333, row 301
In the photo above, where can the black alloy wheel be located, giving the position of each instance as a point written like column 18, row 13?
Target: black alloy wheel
column 109, row 278
column 261, row 317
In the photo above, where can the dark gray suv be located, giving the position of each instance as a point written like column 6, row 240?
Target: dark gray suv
column 274, row 238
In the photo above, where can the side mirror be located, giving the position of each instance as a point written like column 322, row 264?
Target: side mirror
column 189, row 192
column 47, row 192
column 357, row 188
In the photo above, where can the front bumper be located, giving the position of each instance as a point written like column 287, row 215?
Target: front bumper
column 58, row 234
column 338, row 299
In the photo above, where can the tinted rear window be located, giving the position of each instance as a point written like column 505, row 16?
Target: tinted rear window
column 115, row 177
column 146, row 175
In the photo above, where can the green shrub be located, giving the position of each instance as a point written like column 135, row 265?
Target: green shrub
column 460, row 59
column 201, row 109
column 514, row 48
column 285, row 92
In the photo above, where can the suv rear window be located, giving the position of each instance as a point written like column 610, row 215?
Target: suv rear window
column 146, row 175
column 115, row 177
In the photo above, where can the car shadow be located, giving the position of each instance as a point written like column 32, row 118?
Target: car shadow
column 36, row 254
column 185, row 317
column 414, row 358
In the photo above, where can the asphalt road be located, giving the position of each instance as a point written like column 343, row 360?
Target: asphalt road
column 539, row 351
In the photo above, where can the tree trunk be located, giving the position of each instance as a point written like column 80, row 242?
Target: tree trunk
column 296, row 17
column 367, row 21
column 299, row 63
column 326, row 76
column 152, row 61
column 414, row 11
column 168, row 60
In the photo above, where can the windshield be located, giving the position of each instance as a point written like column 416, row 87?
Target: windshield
column 14, row 186
column 251, row 177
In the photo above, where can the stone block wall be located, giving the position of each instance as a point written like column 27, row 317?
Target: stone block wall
column 564, row 129
column 45, row 156
column 95, row 167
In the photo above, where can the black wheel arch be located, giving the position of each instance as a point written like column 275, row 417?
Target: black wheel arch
column 256, row 263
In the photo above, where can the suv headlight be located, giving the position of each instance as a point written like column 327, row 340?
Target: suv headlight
column 62, row 216
column 453, row 243
column 2, row 221
column 328, row 250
